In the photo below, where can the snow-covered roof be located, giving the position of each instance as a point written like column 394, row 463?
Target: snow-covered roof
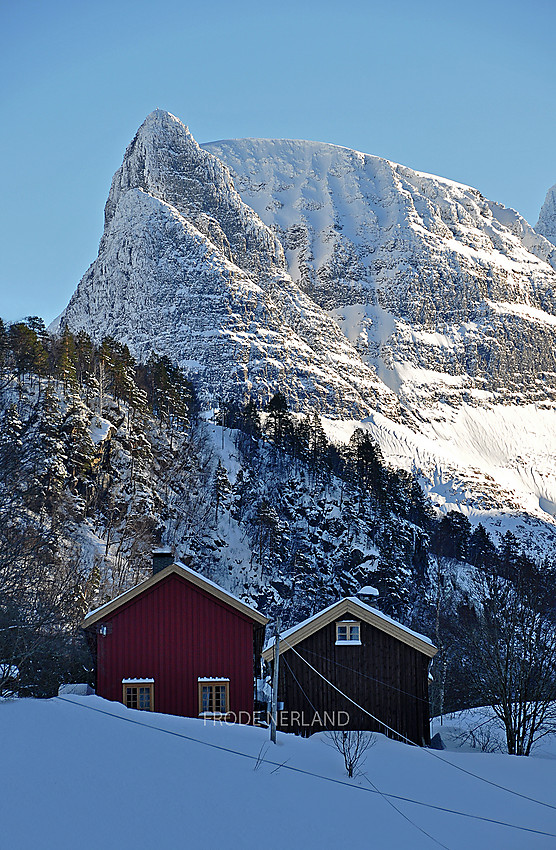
column 351, row 605
column 185, row 572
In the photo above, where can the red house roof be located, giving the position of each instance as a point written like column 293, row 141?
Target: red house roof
column 189, row 575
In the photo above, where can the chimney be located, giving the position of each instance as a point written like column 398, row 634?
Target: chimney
column 368, row 594
column 162, row 557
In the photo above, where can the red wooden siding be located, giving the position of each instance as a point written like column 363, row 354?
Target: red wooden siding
column 174, row 633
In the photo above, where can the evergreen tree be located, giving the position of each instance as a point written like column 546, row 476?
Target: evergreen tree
column 4, row 346
column 365, row 462
column 482, row 552
column 11, row 444
column 221, row 487
column 80, row 449
column 452, row 536
column 66, row 362
column 267, row 527
column 279, row 423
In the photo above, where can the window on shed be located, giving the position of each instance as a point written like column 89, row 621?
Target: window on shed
column 214, row 696
column 138, row 693
column 348, row 631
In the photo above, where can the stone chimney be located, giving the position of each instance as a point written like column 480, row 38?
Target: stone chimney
column 162, row 557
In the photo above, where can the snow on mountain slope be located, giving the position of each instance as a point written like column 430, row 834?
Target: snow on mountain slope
column 226, row 785
column 187, row 269
column 496, row 464
column 546, row 225
column 419, row 271
column 450, row 296
column 356, row 286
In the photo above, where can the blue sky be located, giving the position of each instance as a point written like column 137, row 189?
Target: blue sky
column 464, row 90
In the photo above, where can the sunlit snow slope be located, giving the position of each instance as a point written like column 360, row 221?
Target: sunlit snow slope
column 444, row 291
column 187, row 269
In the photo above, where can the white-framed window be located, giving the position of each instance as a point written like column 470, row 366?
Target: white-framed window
column 214, row 696
column 138, row 693
column 348, row 632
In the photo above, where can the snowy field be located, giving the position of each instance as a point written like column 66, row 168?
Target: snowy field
column 83, row 773
column 479, row 730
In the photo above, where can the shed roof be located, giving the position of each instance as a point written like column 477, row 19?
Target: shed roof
column 189, row 575
column 355, row 607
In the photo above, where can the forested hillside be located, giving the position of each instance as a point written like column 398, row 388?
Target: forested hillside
column 103, row 458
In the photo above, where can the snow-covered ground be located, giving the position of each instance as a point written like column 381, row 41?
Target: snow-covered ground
column 81, row 772
column 479, row 730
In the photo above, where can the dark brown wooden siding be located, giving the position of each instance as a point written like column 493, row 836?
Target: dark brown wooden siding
column 385, row 676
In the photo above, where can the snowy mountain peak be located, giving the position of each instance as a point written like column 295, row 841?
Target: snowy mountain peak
column 352, row 285
column 546, row 225
column 427, row 278
column 165, row 161
column 186, row 268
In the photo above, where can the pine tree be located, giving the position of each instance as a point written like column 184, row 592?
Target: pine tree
column 279, row 419
column 267, row 526
column 80, row 448
column 221, row 488
column 365, row 462
column 66, row 363
column 482, row 552
column 11, row 444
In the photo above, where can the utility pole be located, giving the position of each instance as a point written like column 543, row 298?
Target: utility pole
column 274, row 711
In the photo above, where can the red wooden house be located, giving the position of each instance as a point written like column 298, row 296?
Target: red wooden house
column 179, row 644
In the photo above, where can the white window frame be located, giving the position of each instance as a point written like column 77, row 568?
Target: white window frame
column 349, row 626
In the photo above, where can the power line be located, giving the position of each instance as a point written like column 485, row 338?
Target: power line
column 309, row 772
column 366, row 676
column 301, row 688
column 360, row 707
column 385, row 798
column 406, row 817
column 413, row 744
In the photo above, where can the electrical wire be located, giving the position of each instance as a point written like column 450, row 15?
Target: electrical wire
column 378, row 791
column 301, row 688
column 366, row 676
column 360, row 707
column 413, row 744
column 308, row 772
column 406, row 817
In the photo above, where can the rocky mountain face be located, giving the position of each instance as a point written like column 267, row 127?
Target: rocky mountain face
column 442, row 290
column 189, row 270
column 356, row 287
column 546, row 225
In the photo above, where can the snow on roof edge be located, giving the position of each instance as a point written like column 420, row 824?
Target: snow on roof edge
column 185, row 569
column 289, row 632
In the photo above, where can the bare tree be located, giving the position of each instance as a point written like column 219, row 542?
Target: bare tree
column 352, row 745
column 513, row 656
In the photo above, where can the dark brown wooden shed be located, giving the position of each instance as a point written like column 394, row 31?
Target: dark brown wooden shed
column 354, row 649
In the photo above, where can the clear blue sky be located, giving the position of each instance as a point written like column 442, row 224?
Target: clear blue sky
column 464, row 90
